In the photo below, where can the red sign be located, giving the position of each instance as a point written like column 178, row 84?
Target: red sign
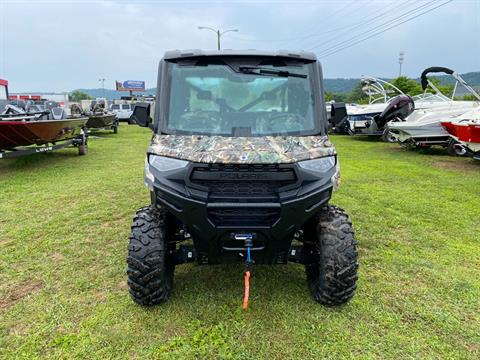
column 24, row 97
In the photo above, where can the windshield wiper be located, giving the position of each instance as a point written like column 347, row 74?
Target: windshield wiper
column 255, row 70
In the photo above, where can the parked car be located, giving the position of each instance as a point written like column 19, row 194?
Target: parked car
column 123, row 111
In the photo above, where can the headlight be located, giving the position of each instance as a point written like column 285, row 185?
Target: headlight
column 161, row 163
column 321, row 165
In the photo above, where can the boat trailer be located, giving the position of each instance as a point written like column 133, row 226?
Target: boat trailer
column 80, row 142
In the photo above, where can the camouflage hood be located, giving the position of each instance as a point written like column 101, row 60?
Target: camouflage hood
column 242, row 150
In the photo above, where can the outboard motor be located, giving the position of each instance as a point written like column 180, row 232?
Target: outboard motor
column 76, row 110
column 58, row 113
column 397, row 110
column 338, row 118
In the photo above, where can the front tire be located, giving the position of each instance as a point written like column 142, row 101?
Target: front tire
column 150, row 270
column 332, row 277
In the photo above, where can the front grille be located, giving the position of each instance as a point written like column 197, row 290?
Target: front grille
column 224, row 191
column 244, row 216
column 243, row 182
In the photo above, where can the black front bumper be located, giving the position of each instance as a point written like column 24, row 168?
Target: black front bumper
column 214, row 224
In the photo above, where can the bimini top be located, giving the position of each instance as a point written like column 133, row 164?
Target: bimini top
column 196, row 53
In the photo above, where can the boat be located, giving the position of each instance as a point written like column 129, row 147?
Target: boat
column 361, row 118
column 465, row 134
column 29, row 132
column 423, row 127
column 99, row 118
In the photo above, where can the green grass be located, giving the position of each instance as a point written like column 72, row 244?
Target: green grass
column 64, row 223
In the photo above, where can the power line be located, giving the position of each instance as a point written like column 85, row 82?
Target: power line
column 387, row 10
column 330, row 16
column 381, row 32
column 374, row 28
column 297, row 38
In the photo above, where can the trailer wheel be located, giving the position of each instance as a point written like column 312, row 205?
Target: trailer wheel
column 115, row 128
column 332, row 277
column 389, row 137
column 83, row 147
column 453, row 149
column 150, row 270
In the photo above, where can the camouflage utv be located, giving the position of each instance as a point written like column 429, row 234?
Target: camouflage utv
column 240, row 169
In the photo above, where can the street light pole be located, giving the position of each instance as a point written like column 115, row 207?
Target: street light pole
column 102, row 80
column 217, row 32
column 401, row 58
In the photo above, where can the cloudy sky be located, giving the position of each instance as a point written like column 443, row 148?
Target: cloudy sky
column 63, row 45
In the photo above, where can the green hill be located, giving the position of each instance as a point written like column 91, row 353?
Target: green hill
column 337, row 85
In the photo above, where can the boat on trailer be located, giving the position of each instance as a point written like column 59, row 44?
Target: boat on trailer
column 362, row 119
column 423, row 127
column 99, row 118
column 28, row 132
column 465, row 134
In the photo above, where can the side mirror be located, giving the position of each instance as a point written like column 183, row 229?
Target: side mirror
column 338, row 114
column 141, row 114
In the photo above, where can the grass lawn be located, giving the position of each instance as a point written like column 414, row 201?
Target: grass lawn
column 64, row 223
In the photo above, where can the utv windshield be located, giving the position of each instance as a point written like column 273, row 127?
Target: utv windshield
column 241, row 100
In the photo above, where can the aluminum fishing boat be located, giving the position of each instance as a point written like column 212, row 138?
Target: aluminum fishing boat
column 101, row 119
column 24, row 133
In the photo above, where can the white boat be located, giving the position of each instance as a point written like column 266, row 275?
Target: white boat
column 423, row 127
column 360, row 118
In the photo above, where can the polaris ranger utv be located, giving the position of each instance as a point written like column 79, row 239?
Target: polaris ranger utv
column 240, row 167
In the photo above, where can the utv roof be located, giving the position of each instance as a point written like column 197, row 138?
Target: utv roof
column 196, row 53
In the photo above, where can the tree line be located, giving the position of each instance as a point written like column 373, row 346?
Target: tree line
column 405, row 84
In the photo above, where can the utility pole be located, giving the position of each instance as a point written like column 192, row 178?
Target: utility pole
column 401, row 58
column 102, row 80
column 217, row 32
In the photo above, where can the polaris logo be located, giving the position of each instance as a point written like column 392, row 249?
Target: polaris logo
column 244, row 176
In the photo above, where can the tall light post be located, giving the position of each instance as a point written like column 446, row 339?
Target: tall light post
column 401, row 58
column 102, row 80
column 218, row 32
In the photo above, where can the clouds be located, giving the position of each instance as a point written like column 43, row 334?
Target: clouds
column 59, row 46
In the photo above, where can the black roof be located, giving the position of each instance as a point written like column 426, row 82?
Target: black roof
column 195, row 53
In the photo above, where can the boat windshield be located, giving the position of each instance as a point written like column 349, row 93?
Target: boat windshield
column 220, row 99
column 115, row 107
column 430, row 97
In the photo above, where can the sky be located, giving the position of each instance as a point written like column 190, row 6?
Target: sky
column 58, row 46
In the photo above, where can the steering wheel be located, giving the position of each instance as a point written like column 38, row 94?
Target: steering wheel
column 200, row 119
column 285, row 122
